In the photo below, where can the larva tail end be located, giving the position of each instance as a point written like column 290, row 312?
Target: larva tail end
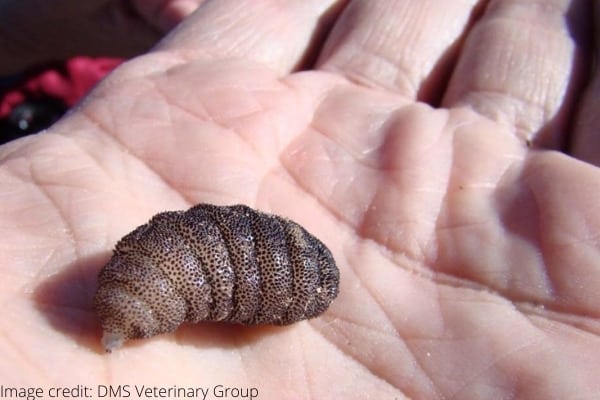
column 112, row 341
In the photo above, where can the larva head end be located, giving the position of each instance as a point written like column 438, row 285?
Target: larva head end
column 112, row 341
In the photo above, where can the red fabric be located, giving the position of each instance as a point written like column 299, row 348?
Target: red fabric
column 67, row 82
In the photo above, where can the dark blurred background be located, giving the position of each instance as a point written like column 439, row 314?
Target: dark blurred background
column 33, row 100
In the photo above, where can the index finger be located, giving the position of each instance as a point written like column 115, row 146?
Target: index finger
column 278, row 34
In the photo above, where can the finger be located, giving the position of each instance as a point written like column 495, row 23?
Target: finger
column 522, row 65
column 401, row 45
column 275, row 33
column 586, row 138
column 165, row 14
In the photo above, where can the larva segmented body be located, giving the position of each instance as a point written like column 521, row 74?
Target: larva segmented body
column 216, row 263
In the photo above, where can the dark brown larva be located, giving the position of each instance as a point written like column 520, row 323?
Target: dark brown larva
column 229, row 263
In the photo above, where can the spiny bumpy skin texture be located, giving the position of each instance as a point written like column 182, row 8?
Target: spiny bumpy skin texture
column 213, row 263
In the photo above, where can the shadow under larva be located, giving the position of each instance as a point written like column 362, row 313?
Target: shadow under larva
column 213, row 263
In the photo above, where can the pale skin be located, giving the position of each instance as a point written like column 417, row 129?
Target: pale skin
column 444, row 152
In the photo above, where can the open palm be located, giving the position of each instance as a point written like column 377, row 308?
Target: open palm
column 468, row 248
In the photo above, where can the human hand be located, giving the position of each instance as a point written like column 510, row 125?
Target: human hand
column 466, row 243
column 36, row 31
